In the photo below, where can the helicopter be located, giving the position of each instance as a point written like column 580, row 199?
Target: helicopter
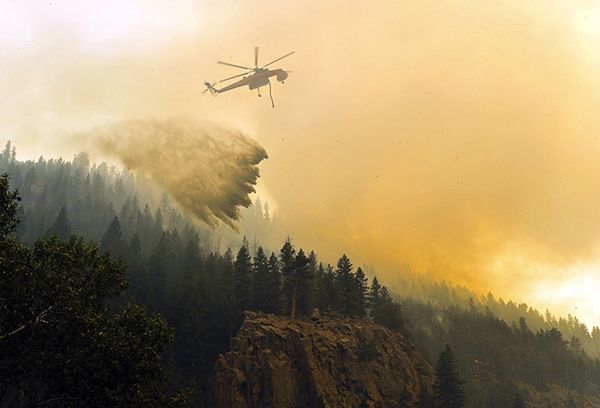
column 259, row 77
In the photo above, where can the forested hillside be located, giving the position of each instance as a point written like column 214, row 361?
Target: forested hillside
column 86, row 198
column 176, row 268
column 202, row 280
column 496, row 359
column 419, row 288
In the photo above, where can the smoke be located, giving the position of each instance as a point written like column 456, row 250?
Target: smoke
column 459, row 138
column 209, row 170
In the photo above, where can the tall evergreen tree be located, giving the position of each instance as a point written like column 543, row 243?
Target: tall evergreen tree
column 362, row 289
column 287, row 259
column 8, row 207
column 261, row 281
column 112, row 240
column 346, row 286
column 159, row 264
column 135, row 246
column 139, row 285
column 61, row 228
column 188, row 310
column 242, row 278
column 329, row 288
column 273, row 304
column 6, row 153
column 220, row 276
column 387, row 312
column 374, row 294
column 311, row 277
column 320, row 298
column 448, row 392
column 304, row 284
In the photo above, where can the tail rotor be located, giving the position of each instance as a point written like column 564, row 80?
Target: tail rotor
column 210, row 87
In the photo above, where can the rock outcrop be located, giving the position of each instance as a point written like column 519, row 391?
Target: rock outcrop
column 319, row 361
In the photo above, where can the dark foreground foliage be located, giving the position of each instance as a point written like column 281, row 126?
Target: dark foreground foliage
column 60, row 344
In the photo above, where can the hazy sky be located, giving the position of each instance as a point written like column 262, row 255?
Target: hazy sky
column 459, row 138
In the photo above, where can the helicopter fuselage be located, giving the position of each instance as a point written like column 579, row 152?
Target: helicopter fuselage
column 256, row 80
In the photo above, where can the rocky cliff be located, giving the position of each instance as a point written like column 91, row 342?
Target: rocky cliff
column 319, row 361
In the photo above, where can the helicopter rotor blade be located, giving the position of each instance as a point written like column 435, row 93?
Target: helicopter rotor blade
column 279, row 59
column 233, row 65
column 256, row 57
column 235, row 76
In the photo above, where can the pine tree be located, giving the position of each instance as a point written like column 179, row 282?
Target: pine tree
column 374, row 294
column 81, row 161
column 523, row 327
column 112, row 240
column 387, row 312
column 261, row 281
column 242, row 278
column 61, row 228
column 320, row 297
column 425, row 396
column 158, row 221
column 362, row 289
column 159, row 264
column 6, row 153
column 304, row 283
column 222, row 294
column 575, row 345
column 311, row 279
column 273, row 303
column 188, row 302
column 329, row 287
column 8, row 207
column 345, row 285
column 135, row 246
column 138, row 279
column 448, row 392
column 287, row 259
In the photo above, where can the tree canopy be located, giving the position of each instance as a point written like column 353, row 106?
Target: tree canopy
column 60, row 343
column 448, row 392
